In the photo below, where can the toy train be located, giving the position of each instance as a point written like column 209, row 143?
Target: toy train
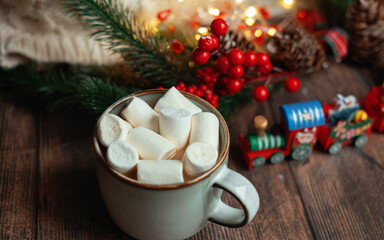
column 304, row 124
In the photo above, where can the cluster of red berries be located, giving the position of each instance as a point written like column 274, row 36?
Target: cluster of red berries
column 227, row 77
column 235, row 62
column 202, row 91
column 230, row 67
column 209, row 43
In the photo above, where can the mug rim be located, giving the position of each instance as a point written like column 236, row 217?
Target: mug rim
column 222, row 154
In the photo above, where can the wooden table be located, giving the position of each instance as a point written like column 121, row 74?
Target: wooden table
column 49, row 190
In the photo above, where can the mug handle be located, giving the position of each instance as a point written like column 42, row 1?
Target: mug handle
column 241, row 189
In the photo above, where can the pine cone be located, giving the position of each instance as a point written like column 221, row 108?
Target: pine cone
column 234, row 40
column 297, row 49
column 365, row 26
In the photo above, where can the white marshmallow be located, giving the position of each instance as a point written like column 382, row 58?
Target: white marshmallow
column 173, row 98
column 205, row 128
column 150, row 145
column 112, row 128
column 160, row 171
column 139, row 113
column 199, row 157
column 122, row 156
column 175, row 125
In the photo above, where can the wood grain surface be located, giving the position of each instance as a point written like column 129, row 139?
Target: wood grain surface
column 49, row 190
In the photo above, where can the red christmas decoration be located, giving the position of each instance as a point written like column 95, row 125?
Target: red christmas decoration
column 206, row 43
column 203, row 88
column 235, row 71
column 291, row 84
column 265, row 13
column 161, row 16
column 181, row 86
column 250, row 59
column 262, row 59
column 191, row 89
column 208, row 95
column 264, row 69
column 260, row 93
column 200, row 56
column 222, row 64
column 234, row 86
column 177, row 46
column 235, row 57
column 219, row 27
column 198, row 93
column 215, row 41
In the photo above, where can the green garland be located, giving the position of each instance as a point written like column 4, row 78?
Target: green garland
column 58, row 87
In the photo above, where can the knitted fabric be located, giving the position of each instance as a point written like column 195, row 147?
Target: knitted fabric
column 40, row 30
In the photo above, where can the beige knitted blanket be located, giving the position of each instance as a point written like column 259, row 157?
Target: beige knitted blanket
column 40, row 30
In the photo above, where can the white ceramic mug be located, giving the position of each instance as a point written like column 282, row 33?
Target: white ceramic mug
column 181, row 210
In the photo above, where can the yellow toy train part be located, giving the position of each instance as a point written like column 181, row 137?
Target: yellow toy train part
column 360, row 116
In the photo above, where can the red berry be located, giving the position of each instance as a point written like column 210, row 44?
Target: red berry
column 215, row 98
column 235, row 57
column 236, row 71
column 250, row 59
column 215, row 75
column 262, row 59
column 208, row 70
column 210, row 85
column 214, row 103
column 222, row 64
column 203, row 88
column 219, row 27
column 208, row 95
column 233, row 86
column 190, row 89
column 291, row 84
column 199, row 72
column 215, row 41
column 260, row 93
column 265, row 69
column 177, row 46
column 163, row 14
column 181, row 86
column 206, row 43
column 198, row 93
column 161, row 87
column 200, row 56
column 206, row 78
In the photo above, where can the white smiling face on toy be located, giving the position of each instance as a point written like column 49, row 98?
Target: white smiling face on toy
column 342, row 102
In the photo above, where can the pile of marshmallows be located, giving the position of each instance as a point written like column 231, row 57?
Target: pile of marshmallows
column 175, row 129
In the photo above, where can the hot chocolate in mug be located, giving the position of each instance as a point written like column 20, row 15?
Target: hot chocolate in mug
column 175, row 211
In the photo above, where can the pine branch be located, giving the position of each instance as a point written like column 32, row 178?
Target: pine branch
column 55, row 89
column 96, row 94
column 124, row 34
column 228, row 105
